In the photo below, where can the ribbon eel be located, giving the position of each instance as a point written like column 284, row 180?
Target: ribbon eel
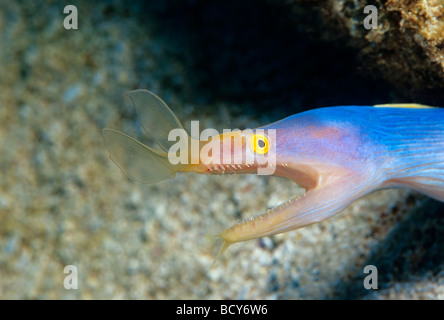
column 338, row 154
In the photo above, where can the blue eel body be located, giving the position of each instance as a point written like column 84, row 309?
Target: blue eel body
column 395, row 146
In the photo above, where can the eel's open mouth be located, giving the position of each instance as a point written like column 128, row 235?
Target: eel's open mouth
column 326, row 193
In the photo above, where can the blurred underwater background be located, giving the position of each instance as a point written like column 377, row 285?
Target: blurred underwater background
column 228, row 64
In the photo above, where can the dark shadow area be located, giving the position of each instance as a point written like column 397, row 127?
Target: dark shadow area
column 411, row 250
column 269, row 55
column 259, row 53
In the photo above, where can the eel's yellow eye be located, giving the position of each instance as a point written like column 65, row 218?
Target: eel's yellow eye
column 259, row 143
